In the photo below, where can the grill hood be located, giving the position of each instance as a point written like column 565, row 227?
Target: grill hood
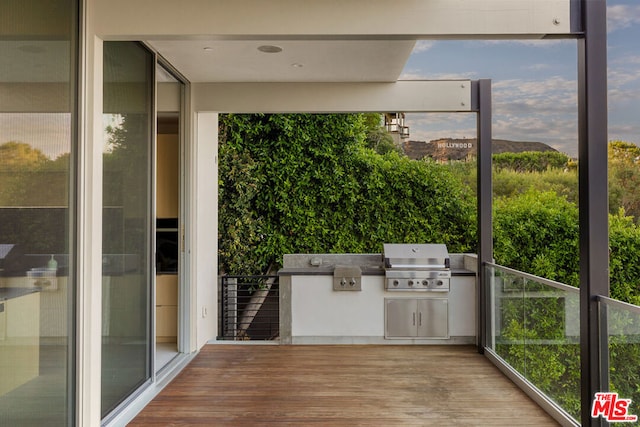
column 416, row 256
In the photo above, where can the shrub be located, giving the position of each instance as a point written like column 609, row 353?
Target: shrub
column 307, row 184
column 538, row 233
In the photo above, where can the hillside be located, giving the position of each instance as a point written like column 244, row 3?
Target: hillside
column 459, row 149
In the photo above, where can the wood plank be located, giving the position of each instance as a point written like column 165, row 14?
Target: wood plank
column 249, row 385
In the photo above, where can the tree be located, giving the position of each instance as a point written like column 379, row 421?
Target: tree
column 624, row 178
column 20, row 156
column 538, row 233
column 33, row 198
column 530, row 161
column 624, row 260
column 26, row 171
column 377, row 137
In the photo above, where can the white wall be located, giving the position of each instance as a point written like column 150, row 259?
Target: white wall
column 318, row 310
column 204, row 226
column 321, row 315
column 89, row 250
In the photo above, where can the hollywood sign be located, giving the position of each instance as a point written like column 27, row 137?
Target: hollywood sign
column 455, row 145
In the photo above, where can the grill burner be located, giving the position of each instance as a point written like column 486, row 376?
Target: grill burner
column 417, row 267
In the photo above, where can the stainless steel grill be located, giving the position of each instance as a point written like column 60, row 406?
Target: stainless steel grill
column 417, row 267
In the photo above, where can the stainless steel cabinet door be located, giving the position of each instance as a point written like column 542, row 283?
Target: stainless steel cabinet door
column 433, row 318
column 401, row 318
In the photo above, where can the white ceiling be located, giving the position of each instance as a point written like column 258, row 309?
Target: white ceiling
column 38, row 61
column 299, row 60
column 229, row 60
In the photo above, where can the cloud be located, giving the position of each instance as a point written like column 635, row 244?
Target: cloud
column 413, row 75
column 427, row 135
column 542, row 110
column 622, row 16
column 537, row 87
column 438, row 119
column 430, row 126
column 622, row 100
column 423, row 46
column 47, row 132
column 624, row 61
column 534, row 127
column 541, row 43
column 537, row 110
column 425, row 75
column 559, row 132
column 624, row 132
column 617, row 76
column 537, row 67
column 528, row 107
column 556, row 95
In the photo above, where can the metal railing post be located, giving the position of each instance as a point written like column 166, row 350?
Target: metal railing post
column 485, row 201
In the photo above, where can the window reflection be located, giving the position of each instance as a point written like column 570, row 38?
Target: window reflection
column 126, row 239
column 36, row 147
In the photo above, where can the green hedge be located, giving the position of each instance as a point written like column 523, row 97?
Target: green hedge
column 538, row 233
column 530, row 161
column 308, row 183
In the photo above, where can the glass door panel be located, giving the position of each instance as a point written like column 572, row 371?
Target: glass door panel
column 168, row 248
column 38, row 53
column 127, row 226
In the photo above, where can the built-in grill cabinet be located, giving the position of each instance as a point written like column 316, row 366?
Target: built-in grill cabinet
column 421, row 268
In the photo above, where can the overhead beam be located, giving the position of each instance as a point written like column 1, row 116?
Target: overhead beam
column 326, row 19
column 405, row 96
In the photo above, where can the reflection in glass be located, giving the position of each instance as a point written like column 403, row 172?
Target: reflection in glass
column 126, row 295
column 37, row 56
column 622, row 322
column 535, row 328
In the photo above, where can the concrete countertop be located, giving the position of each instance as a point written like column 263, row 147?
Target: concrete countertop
column 11, row 293
column 370, row 264
column 366, row 271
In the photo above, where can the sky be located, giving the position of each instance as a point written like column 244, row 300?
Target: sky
column 534, row 84
column 534, row 89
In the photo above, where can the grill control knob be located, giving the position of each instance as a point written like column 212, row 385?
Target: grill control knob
column 425, row 283
column 440, row 283
column 396, row 283
column 410, row 282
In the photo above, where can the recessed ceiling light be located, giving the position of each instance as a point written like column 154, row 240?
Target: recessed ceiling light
column 269, row 48
column 207, row 49
column 297, row 65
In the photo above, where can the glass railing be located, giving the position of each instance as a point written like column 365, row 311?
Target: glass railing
column 534, row 326
column 622, row 323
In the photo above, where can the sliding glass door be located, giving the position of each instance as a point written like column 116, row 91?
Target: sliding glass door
column 169, row 251
column 129, row 70
column 38, row 149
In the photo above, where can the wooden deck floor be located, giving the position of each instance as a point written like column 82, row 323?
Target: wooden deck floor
column 258, row 385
